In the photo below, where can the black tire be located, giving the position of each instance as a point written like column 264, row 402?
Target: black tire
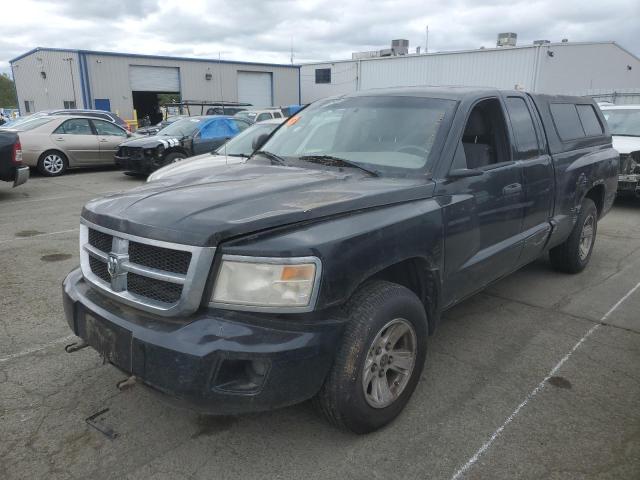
column 174, row 157
column 342, row 397
column 50, row 158
column 567, row 257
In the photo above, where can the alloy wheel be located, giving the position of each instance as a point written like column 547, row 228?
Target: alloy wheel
column 389, row 363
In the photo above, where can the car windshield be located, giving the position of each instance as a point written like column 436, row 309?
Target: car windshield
column 31, row 124
column 623, row 121
column 181, row 128
column 242, row 144
column 380, row 133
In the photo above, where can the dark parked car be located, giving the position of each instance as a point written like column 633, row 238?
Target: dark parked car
column 154, row 129
column 181, row 139
column 11, row 167
column 319, row 267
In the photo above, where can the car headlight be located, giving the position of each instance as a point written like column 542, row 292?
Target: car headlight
column 271, row 284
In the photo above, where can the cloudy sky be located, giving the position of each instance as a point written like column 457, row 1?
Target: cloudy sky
column 264, row 30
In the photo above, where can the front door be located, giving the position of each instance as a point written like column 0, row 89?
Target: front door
column 110, row 136
column 483, row 212
column 76, row 139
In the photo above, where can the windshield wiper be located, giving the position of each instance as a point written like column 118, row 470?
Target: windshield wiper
column 271, row 156
column 332, row 161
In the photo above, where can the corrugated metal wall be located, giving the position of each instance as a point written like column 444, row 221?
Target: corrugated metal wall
column 110, row 79
column 568, row 68
column 50, row 92
column 483, row 68
column 107, row 77
column 344, row 79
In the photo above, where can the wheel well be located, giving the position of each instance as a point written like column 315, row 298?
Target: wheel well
column 597, row 195
column 53, row 150
column 175, row 150
column 414, row 274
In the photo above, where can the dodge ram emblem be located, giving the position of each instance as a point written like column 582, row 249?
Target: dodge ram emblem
column 112, row 265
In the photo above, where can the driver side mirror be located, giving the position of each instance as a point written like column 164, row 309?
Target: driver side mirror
column 464, row 173
column 259, row 141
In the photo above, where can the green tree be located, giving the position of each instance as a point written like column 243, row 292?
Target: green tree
column 7, row 92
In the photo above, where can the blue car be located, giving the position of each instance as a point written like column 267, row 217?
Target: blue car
column 181, row 139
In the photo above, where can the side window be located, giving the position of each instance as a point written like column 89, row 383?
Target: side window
column 239, row 124
column 76, row 126
column 277, row 114
column 263, row 116
column 107, row 128
column 523, row 128
column 484, row 140
column 215, row 129
column 589, row 119
column 566, row 120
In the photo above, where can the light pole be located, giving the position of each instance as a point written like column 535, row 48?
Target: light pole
column 73, row 83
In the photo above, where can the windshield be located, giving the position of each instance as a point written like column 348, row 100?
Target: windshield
column 623, row 121
column 242, row 144
column 392, row 133
column 181, row 128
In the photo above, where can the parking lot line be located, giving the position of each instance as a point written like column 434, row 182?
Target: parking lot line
column 485, row 447
column 39, row 235
column 29, row 351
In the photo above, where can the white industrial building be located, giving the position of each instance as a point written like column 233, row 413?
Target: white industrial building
column 601, row 69
column 48, row 78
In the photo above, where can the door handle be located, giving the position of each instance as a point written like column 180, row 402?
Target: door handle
column 512, row 189
column 60, row 139
column 103, row 140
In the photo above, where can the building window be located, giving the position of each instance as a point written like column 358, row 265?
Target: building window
column 69, row 104
column 323, row 75
column 28, row 106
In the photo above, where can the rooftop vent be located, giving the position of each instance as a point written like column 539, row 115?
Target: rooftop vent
column 507, row 39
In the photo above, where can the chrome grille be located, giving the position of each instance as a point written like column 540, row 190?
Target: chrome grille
column 160, row 258
column 161, row 277
column 155, row 289
column 102, row 241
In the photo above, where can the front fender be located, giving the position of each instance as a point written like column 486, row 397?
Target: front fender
column 355, row 246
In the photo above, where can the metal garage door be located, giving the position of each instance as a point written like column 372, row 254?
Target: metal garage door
column 255, row 88
column 154, row 79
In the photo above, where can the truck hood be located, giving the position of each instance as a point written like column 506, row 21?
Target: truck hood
column 624, row 144
column 152, row 142
column 229, row 201
column 199, row 165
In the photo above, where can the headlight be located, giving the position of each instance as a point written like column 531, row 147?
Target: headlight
column 255, row 283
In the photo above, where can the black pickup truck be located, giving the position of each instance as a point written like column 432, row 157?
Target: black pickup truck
column 11, row 168
column 318, row 268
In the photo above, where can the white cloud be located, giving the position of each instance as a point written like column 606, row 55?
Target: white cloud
column 262, row 30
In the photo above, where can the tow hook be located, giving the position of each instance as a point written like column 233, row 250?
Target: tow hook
column 126, row 383
column 75, row 346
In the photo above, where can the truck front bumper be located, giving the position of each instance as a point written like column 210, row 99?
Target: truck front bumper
column 629, row 184
column 215, row 362
column 142, row 166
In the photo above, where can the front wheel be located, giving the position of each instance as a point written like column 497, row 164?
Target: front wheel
column 574, row 254
column 379, row 361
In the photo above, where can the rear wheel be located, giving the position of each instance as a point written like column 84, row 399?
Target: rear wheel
column 379, row 361
column 52, row 163
column 574, row 254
